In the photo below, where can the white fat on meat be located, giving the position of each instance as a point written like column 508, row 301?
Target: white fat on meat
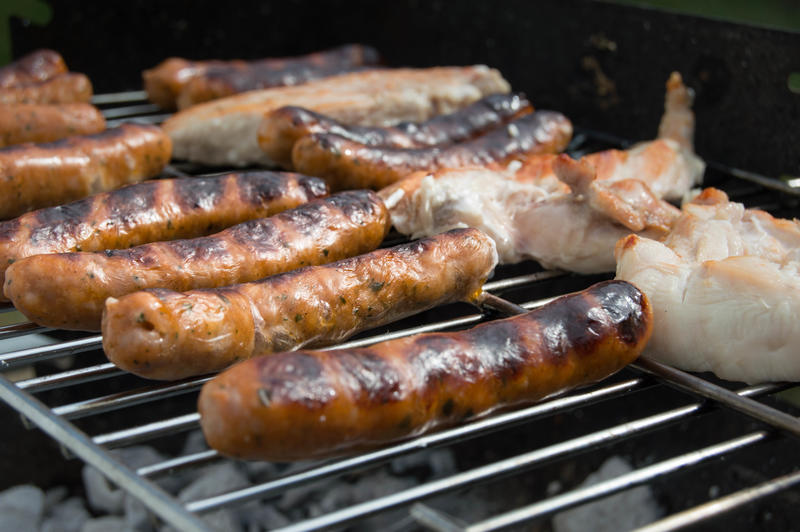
column 570, row 224
column 725, row 290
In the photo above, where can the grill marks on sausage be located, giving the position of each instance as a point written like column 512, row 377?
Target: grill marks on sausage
column 348, row 164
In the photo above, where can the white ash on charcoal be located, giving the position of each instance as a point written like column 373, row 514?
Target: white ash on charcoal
column 625, row 510
column 109, row 507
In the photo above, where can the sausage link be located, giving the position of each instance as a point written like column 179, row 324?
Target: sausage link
column 165, row 82
column 36, row 176
column 28, row 122
column 35, row 66
column 64, row 88
column 219, row 81
column 346, row 164
column 282, row 128
column 313, row 404
column 163, row 334
column 152, row 211
column 68, row 290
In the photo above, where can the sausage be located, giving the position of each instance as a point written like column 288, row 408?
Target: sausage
column 35, row 66
column 34, row 176
column 68, row 290
column 312, row 404
column 219, row 81
column 282, row 128
column 164, row 209
column 165, row 82
column 162, row 334
column 346, row 164
column 64, row 88
column 23, row 122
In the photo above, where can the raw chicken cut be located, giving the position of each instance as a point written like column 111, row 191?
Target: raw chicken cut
column 562, row 213
column 571, row 223
column 725, row 290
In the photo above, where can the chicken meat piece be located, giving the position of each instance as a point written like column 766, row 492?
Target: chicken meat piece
column 570, row 223
column 725, row 290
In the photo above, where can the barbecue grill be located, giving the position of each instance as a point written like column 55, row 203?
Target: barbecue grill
column 716, row 453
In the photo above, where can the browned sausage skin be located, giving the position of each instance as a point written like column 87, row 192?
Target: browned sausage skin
column 35, row 176
column 35, row 66
column 68, row 290
column 29, row 122
column 313, row 404
column 163, row 334
column 64, row 88
column 282, row 128
column 219, row 81
column 346, row 164
column 152, row 211
column 166, row 82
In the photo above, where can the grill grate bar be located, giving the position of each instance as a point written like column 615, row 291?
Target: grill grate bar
column 71, row 377
column 48, row 352
column 190, row 460
column 131, row 110
column 696, row 385
column 108, row 403
column 141, row 433
column 20, row 329
column 119, row 97
column 609, row 487
column 448, row 436
column 723, row 504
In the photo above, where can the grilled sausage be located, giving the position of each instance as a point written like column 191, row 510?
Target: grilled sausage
column 163, row 334
column 34, row 176
column 152, row 211
column 165, row 83
column 346, row 164
column 68, row 290
column 313, row 404
column 64, row 88
column 282, row 128
column 219, row 81
column 20, row 123
column 36, row 66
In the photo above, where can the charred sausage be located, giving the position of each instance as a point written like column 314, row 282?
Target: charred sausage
column 24, row 122
column 165, row 82
column 64, row 88
column 348, row 164
column 282, row 128
column 68, row 290
column 313, row 404
column 219, row 81
column 152, row 211
column 35, row 176
column 163, row 334
column 36, row 66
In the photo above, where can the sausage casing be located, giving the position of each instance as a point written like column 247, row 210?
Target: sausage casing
column 29, row 122
column 169, row 335
column 282, row 128
column 165, row 209
column 68, row 290
column 312, row 404
column 219, row 81
column 166, row 82
column 35, row 66
column 64, row 88
column 346, row 164
column 36, row 176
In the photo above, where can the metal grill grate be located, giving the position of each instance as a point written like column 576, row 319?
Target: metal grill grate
column 646, row 384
